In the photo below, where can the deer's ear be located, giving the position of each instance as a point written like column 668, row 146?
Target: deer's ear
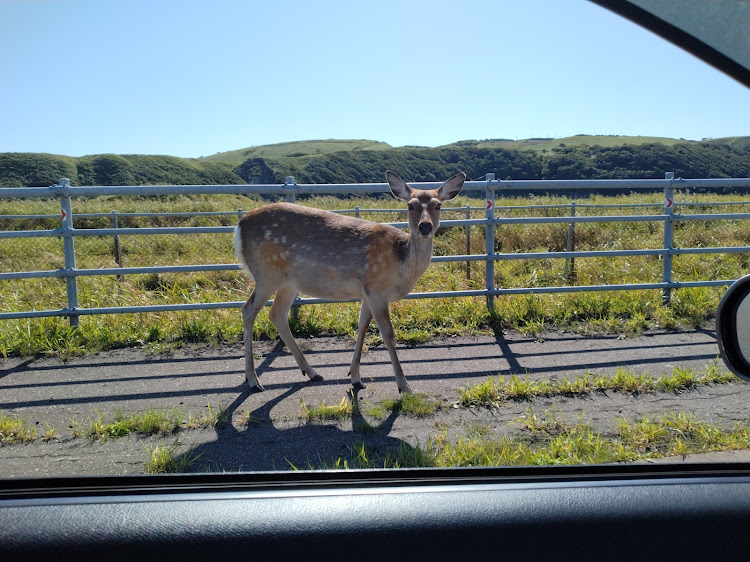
column 399, row 188
column 451, row 187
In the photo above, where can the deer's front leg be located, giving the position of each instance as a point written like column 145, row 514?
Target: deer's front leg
column 383, row 319
column 365, row 316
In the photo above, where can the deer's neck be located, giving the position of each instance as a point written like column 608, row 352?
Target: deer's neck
column 418, row 255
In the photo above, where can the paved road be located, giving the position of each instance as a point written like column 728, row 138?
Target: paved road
column 47, row 392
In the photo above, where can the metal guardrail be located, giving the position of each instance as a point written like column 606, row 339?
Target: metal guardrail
column 290, row 189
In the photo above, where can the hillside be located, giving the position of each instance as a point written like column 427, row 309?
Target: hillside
column 354, row 161
column 296, row 148
column 545, row 144
column 23, row 169
column 741, row 143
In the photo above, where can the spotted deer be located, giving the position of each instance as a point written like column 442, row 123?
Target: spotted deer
column 290, row 249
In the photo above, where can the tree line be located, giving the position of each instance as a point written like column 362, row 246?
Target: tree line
column 687, row 160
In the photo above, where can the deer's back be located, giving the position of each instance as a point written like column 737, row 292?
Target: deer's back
column 327, row 254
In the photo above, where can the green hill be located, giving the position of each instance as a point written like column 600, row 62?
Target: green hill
column 297, row 148
column 740, row 143
column 546, row 144
column 688, row 160
column 368, row 166
column 22, row 169
column 355, row 161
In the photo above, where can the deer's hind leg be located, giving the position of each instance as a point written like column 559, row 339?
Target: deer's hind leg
column 279, row 316
column 250, row 310
column 365, row 316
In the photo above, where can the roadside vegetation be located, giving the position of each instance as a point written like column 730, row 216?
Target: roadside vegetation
column 160, row 422
column 415, row 321
column 498, row 389
column 550, row 440
column 417, row 405
column 163, row 459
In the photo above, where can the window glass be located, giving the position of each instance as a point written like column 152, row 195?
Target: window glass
column 569, row 312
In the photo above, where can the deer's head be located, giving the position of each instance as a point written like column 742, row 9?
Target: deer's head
column 424, row 204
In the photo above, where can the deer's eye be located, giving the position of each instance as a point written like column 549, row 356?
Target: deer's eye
column 437, row 206
column 411, row 206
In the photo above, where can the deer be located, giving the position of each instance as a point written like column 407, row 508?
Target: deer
column 290, row 249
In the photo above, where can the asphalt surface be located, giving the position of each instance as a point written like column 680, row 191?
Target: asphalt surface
column 48, row 393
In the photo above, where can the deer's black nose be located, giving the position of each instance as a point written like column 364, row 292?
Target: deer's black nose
column 425, row 228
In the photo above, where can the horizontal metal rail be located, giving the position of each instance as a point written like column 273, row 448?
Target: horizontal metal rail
column 61, row 273
column 560, row 206
column 65, row 312
column 312, row 189
column 129, row 231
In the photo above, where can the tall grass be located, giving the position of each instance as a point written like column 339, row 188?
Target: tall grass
column 628, row 312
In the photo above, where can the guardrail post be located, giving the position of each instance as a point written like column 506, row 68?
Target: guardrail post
column 468, row 241
column 668, row 238
column 68, row 248
column 489, row 243
column 570, row 264
column 289, row 181
column 117, row 250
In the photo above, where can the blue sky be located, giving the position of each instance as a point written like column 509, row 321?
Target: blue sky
column 194, row 77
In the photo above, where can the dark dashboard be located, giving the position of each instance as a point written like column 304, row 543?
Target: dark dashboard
column 624, row 512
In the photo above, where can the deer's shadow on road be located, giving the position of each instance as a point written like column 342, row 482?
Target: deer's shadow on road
column 265, row 444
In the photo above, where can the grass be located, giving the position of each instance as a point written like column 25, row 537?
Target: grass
column 679, row 434
column 415, row 321
column 164, row 459
column 15, row 430
column 547, row 423
column 496, row 390
column 552, row 441
column 152, row 422
column 213, row 417
column 363, row 457
column 418, row 405
column 326, row 412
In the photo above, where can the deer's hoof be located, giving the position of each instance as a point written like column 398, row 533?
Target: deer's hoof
column 359, row 385
column 256, row 388
column 316, row 378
